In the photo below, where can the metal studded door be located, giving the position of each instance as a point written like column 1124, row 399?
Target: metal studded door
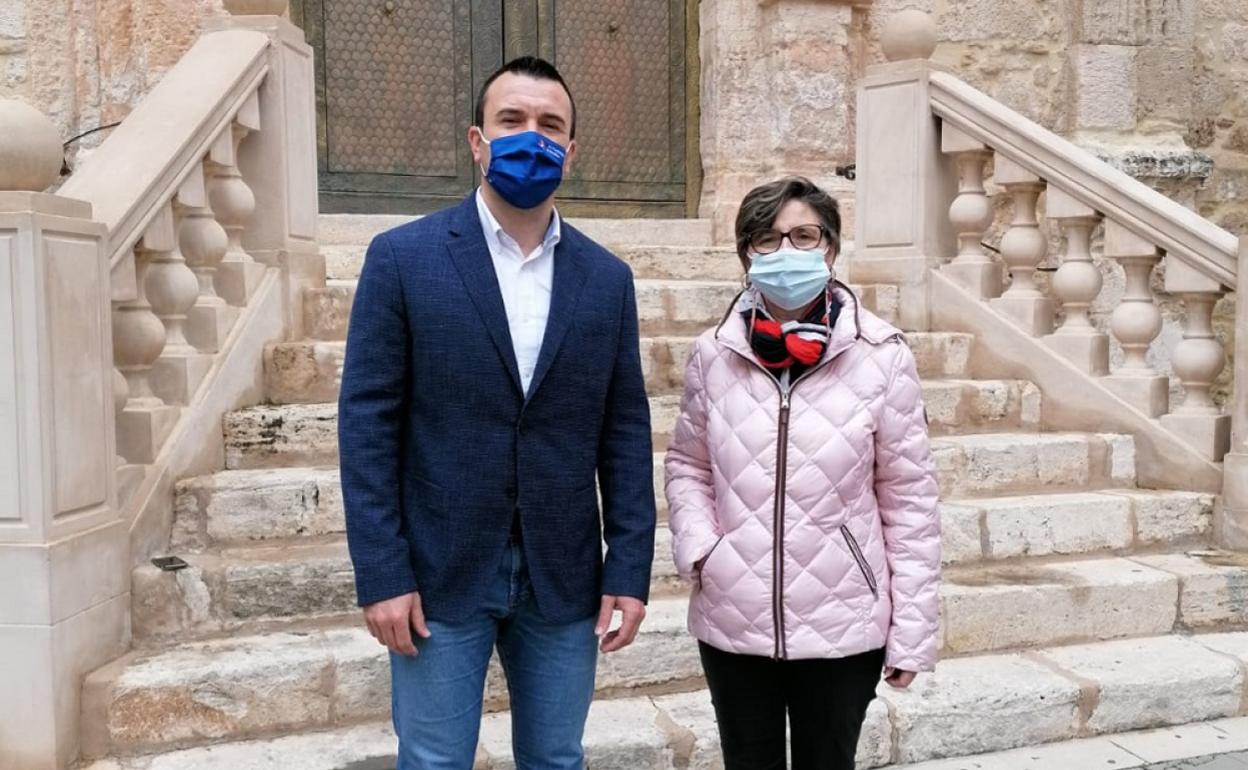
column 397, row 80
column 625, row 61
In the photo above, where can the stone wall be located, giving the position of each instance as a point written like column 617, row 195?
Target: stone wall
column 86, row 63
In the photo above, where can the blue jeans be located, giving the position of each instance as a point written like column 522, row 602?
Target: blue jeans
column 437, row 695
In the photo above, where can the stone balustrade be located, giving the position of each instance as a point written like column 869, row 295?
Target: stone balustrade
column 134, row 304
column 928, row 212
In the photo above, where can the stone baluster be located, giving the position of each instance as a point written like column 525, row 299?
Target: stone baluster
column 172, row 290
column 203, row 242
column 1197, row 361
column 138, row 340
column 1231, row 526
column 1135, row 323
column 233, row 203
column 971, row 215
column 1023, row 248
column 1077, row 284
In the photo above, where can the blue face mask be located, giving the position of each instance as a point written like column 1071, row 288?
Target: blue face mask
column 525, row 168
column 790, row 278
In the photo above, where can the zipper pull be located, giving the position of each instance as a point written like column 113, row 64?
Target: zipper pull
column 784, row 401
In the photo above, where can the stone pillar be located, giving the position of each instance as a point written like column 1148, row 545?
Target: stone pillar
column 277, row 157
column 776, row 98
column 1231, row 526
column 906, row 184
column 64, row 551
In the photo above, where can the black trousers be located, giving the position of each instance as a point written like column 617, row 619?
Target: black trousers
column 825, row 700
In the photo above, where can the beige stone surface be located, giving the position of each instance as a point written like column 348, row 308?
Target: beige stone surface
column 1056, row 524
column 1003, row 463
column 1153, row 682
column 985, row 703
column 1023, row 605
column 1213, row 587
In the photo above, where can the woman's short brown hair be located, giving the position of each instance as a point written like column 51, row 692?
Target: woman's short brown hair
column 761, row 205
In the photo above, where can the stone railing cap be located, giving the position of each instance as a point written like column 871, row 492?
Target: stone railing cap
column 909, row 34
column 30, row 148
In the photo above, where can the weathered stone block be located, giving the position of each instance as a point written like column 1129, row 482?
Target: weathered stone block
column 1007, row 462
column 1169, row 517
column 1153, row 682
column 1168, row 73
column 1039, row 525
column 1213, row 586
column 1001, row 607
column 1106, row 87
column 960, row 533
column 273, row 436
column 986, row 703
column 218, row 689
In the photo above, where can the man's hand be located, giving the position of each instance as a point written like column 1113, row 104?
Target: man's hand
column 898, row 679
column 634, row 610
column 391, row 622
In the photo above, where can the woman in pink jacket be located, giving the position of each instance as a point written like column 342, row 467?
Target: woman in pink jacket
column 802, row 497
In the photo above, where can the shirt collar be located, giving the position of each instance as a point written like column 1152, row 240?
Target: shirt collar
column 494, row 234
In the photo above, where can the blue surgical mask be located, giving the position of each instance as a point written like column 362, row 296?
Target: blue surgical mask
column 790, row 278
column 525, row 168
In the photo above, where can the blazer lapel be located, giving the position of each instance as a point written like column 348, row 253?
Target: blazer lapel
column 569, row 279
column 471, row 257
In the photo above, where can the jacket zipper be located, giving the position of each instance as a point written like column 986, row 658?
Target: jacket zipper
column 782, row 460
column 782, row 463
column 862, row 561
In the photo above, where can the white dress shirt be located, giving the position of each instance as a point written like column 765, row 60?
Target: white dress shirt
column 525, row 282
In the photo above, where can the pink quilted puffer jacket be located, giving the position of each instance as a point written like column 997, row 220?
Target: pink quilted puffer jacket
column 814, row 514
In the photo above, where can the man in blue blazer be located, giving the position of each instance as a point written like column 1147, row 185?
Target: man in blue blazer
column 492, row 376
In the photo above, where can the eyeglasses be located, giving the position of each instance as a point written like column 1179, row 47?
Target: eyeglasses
column 802, row 237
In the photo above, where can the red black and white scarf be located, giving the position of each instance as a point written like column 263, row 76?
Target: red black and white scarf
column 793, row 344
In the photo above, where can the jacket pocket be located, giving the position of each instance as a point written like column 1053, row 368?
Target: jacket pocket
column 867, row 574
column 706, row 559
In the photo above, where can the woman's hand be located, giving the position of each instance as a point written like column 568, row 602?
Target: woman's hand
column 897, row 678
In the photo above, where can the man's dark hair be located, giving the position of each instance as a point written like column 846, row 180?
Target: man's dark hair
column 530, row 66
column 762, row 205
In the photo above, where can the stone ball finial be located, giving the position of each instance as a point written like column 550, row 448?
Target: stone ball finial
column 909, row 34
column 256, row 7
column 30, row 148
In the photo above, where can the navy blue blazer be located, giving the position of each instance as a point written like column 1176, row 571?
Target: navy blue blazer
column 440, row 447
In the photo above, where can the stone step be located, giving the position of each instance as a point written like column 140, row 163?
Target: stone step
column 968, row 706
column 1118, row 521
column 985, row 606
column 664, row 307
column 359, row 230
column 310, row 371
column 996, row 464
column 694, row 262
column 246, row 507
column 242, row 589
column 243, row 507
column 975, row 465
column 252, row 685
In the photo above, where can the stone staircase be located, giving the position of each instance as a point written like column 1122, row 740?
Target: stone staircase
column 1074, row 603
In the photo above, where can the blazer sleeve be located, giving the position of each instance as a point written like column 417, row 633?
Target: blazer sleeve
column 689, row 485
column 626, row 466
column 372, row 410
column 906, row 492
